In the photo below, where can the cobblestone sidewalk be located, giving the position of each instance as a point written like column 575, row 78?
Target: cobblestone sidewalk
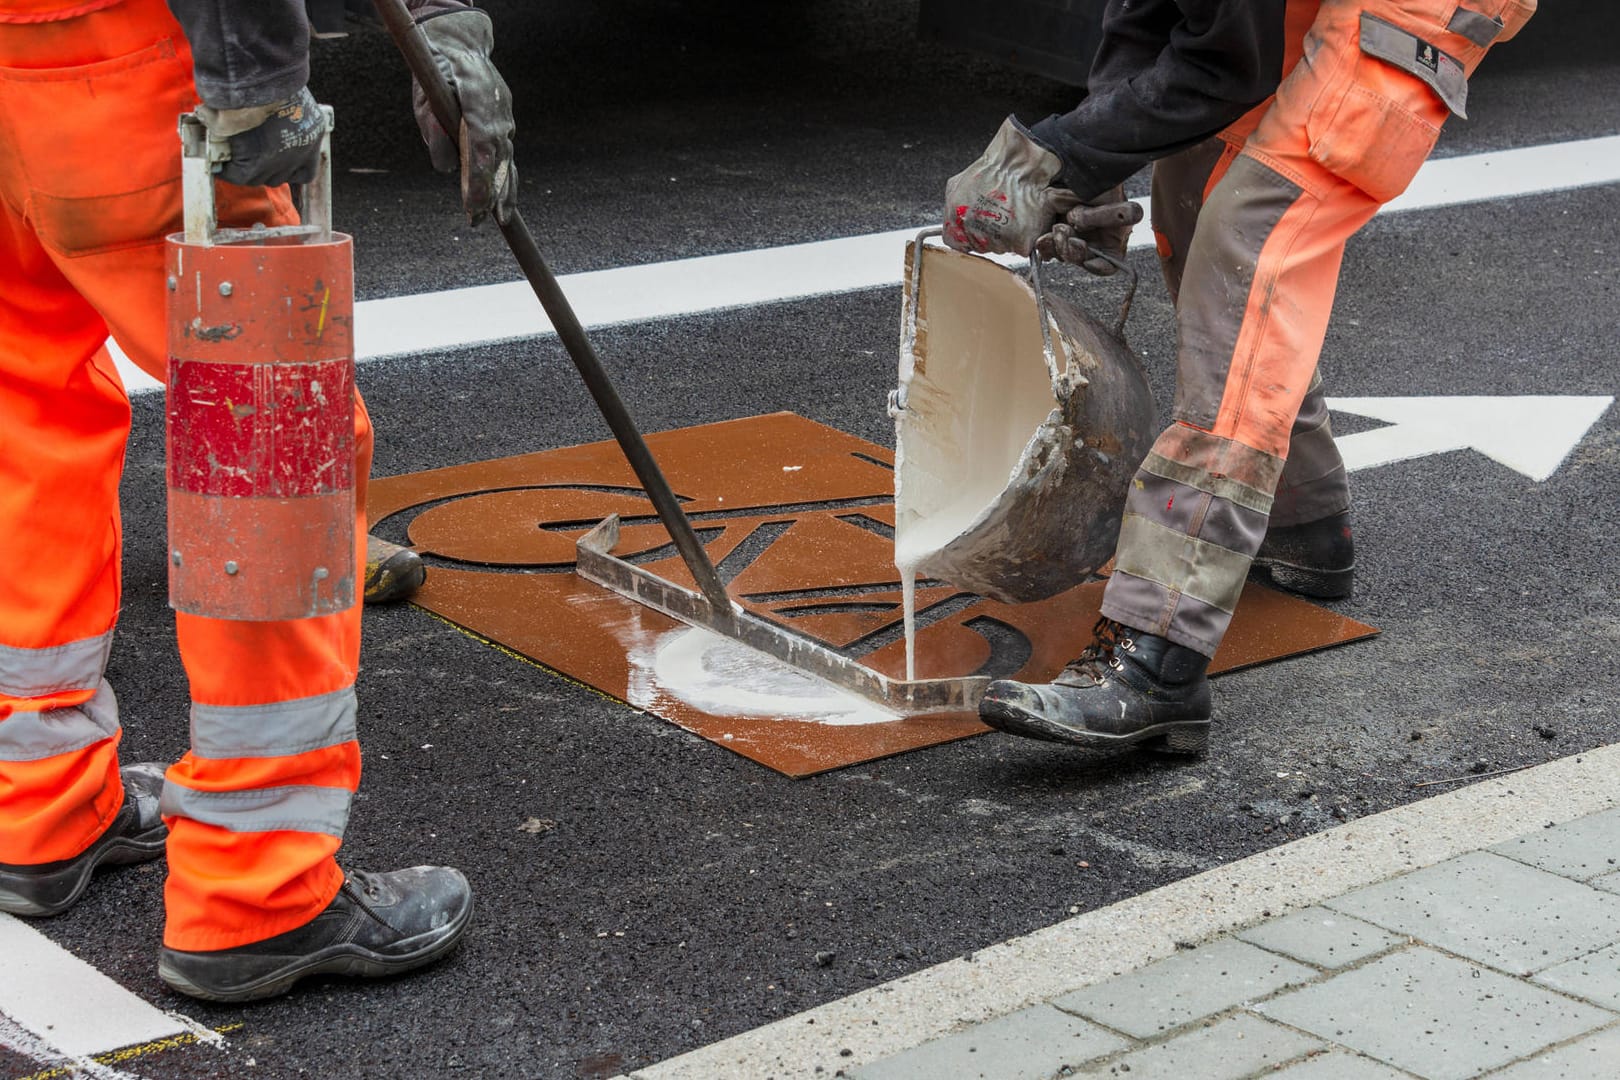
column 1502, row 962
column 1473, row 933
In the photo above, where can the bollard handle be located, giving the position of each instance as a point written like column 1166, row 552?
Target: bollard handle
column 200, row 158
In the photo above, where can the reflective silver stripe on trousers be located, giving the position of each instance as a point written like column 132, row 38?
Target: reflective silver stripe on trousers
column 35, row 736
column 1198, row 568
column 31, row 673
column 297, row 808
column 276, row 730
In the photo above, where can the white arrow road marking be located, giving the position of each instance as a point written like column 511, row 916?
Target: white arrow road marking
column 455, row 318
column 68, row 1005
column 1530, row 435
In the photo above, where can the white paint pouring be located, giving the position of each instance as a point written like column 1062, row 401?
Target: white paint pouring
column 973, row 390
column 1019, row 420
column 723, row 677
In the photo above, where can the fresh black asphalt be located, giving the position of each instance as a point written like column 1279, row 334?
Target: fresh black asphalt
column 684, row 894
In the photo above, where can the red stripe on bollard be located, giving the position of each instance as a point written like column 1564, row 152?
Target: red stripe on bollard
column 272, row 431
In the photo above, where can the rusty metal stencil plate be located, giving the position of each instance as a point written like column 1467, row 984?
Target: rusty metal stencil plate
column 798, row 517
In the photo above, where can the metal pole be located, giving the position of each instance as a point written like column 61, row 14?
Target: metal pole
column 419, row 58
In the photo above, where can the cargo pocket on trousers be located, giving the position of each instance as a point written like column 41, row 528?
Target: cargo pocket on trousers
column 99, row 152
column 1388, row 119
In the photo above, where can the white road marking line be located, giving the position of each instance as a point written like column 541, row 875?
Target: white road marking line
column 67, row 1004
column 456, row 318
column 19, row 1040
column 1530, row 435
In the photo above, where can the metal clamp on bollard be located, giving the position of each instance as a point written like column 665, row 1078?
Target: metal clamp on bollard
column 260, row 417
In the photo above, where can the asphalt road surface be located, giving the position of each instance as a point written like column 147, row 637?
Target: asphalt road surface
column 685, row 894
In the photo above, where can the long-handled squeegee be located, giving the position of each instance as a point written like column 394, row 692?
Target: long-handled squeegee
column 710, row 607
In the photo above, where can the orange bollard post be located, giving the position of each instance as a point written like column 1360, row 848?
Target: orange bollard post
column 260, row 425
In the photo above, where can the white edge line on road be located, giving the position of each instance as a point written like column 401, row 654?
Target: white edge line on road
column 19, row 1040
column 67, row 1003
column 1089, row 948
column 457, row 318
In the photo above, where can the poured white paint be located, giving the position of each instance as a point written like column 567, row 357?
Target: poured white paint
column 1530, row 435
column 723, row 677
column 66, row 1003
column 908, row 608
column 455, row 318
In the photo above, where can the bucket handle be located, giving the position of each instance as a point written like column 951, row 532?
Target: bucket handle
column 1118, row 328
column 1064, row 382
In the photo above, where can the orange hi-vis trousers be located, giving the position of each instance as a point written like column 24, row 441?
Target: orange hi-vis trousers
column 1351, row 123
column 89, row 187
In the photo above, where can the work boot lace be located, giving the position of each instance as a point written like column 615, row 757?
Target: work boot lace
column 1109, row 638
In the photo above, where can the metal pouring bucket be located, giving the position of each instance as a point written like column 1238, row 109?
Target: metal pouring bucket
column 1019, row 422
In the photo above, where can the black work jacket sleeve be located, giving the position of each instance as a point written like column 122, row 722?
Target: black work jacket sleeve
column 1169, row 74
column 256, row 52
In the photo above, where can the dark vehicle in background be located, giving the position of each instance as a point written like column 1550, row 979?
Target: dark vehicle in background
column 1055, row 38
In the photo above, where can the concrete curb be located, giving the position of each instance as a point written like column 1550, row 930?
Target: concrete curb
column 1100, row 944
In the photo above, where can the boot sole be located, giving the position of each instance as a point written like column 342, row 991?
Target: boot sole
column 122, row 852
column 346, row 960
column 1310, row 581
column 1176, row 737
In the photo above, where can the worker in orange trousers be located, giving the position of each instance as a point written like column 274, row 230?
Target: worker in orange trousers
column 1277, row 128
column 253, row 816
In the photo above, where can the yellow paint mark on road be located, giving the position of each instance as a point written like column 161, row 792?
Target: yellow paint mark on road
column 131, row 1053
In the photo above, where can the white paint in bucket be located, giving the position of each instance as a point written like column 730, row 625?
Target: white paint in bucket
column 975, row 392
column 723, row 677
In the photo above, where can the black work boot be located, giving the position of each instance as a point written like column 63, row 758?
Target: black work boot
column 1316, row 558
column 393, row 573
column 377, row 924
column 1127, row 688
column 136, row 835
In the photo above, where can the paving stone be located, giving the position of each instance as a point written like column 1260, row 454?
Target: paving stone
column 1185, row 987
column 1338, row 1065
column 1229, row 1049
column 1581, row 849
column 1328, row 939
column 1596, row 1057
column 1029, row 1045
column 1595, row 977
column 1434, row 1015
column 1494, row 910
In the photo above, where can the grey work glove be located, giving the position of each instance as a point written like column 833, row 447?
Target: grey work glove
column 1102, row 225
column 269, row 145
column 1005, row 201
column 461, row 43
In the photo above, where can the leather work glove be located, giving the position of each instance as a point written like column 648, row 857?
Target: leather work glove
column 1102, row 224
column 461, row 42
column 269, row 145
column 1005, row 201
